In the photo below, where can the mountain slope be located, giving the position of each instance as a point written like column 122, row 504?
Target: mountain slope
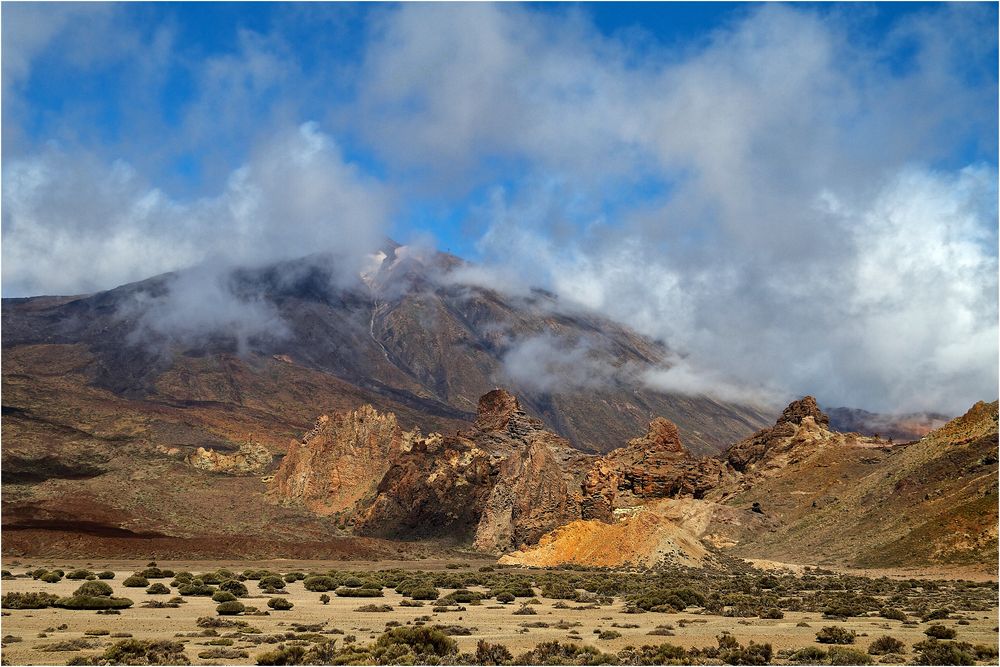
column 407, row 339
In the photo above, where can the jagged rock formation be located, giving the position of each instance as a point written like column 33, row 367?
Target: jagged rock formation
column 761, row 445
column 434, row 489
column 655, row 465
column 251, row 458
column 340, row 461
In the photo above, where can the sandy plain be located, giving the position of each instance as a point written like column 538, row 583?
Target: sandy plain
column 38, row 629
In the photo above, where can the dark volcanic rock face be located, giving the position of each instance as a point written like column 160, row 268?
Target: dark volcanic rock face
column 435, row 489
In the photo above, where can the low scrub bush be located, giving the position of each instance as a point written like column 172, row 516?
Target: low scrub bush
column 279, row 604
column 831, row 634
column 939, row 631
column 28, row 600
column 230, row 608
column 885, row 645
column 136, row 581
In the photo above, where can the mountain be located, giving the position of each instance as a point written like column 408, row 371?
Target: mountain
column 407, row 338
column 799, row 492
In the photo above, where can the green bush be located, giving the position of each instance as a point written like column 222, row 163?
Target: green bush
column 28, row 600
column 421, row 640
column 893, row 614
column 79, row 574
column 885, row 645
column 506, row 598
column 934, row 652
column 230, row 608
column 50, row 578
column 141, row 652
column 812, row 655
column 319, row 584
column 157, row 589
column 196, row 587
column 357, row 592
column 609, row 634
column 223, row 596
column 840, row 655
column 492, row 654
column 92, row 602
column 940, row 632
column 93, row 589
column 106, row 574
column 271, row 581
column 831, row 634
column 136, row 581
column 279, row 604
column 283, row 655
column 424, row 593
column 324, row 598
column 237, row 588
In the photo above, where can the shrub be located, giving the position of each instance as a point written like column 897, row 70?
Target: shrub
column 235, row 587
column 935, row 615
column 421, row 640
column 283, row 655
column 279, row 604
column 136, row 581
column 155, row 573
column 272, row 581
column 840, row 655
column 141, row 652
column 50, row 578
column 751, row 654
column 79, row 574
column 93, row 589
column 106, row 574
column 196, row 587
column 292, row 577
column 357, row 592
column 425, row 593
column 505, row 598
column 772, row 613
column 609, row 634
column 28, row 600
column 374, row 608
column 157, row 589
column 324, row 598
column 92, row 602
column 893, row 614
column 230, row 608
column 223, row 596
column 934, row 652
column 492, row 654
column 319, row 584
column 885, row 645
column 831, row 634
column 940, row 632
column 812, row 655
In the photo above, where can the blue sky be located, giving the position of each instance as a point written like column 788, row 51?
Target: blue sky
column 824, row 174
column 87, row 103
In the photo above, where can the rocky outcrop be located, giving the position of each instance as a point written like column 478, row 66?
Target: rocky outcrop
column 804, row 413
column 341, row 461
column 251, row 458
column 436, row 488
column 655, row 465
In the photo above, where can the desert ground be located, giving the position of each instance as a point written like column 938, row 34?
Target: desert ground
column 54, row 636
